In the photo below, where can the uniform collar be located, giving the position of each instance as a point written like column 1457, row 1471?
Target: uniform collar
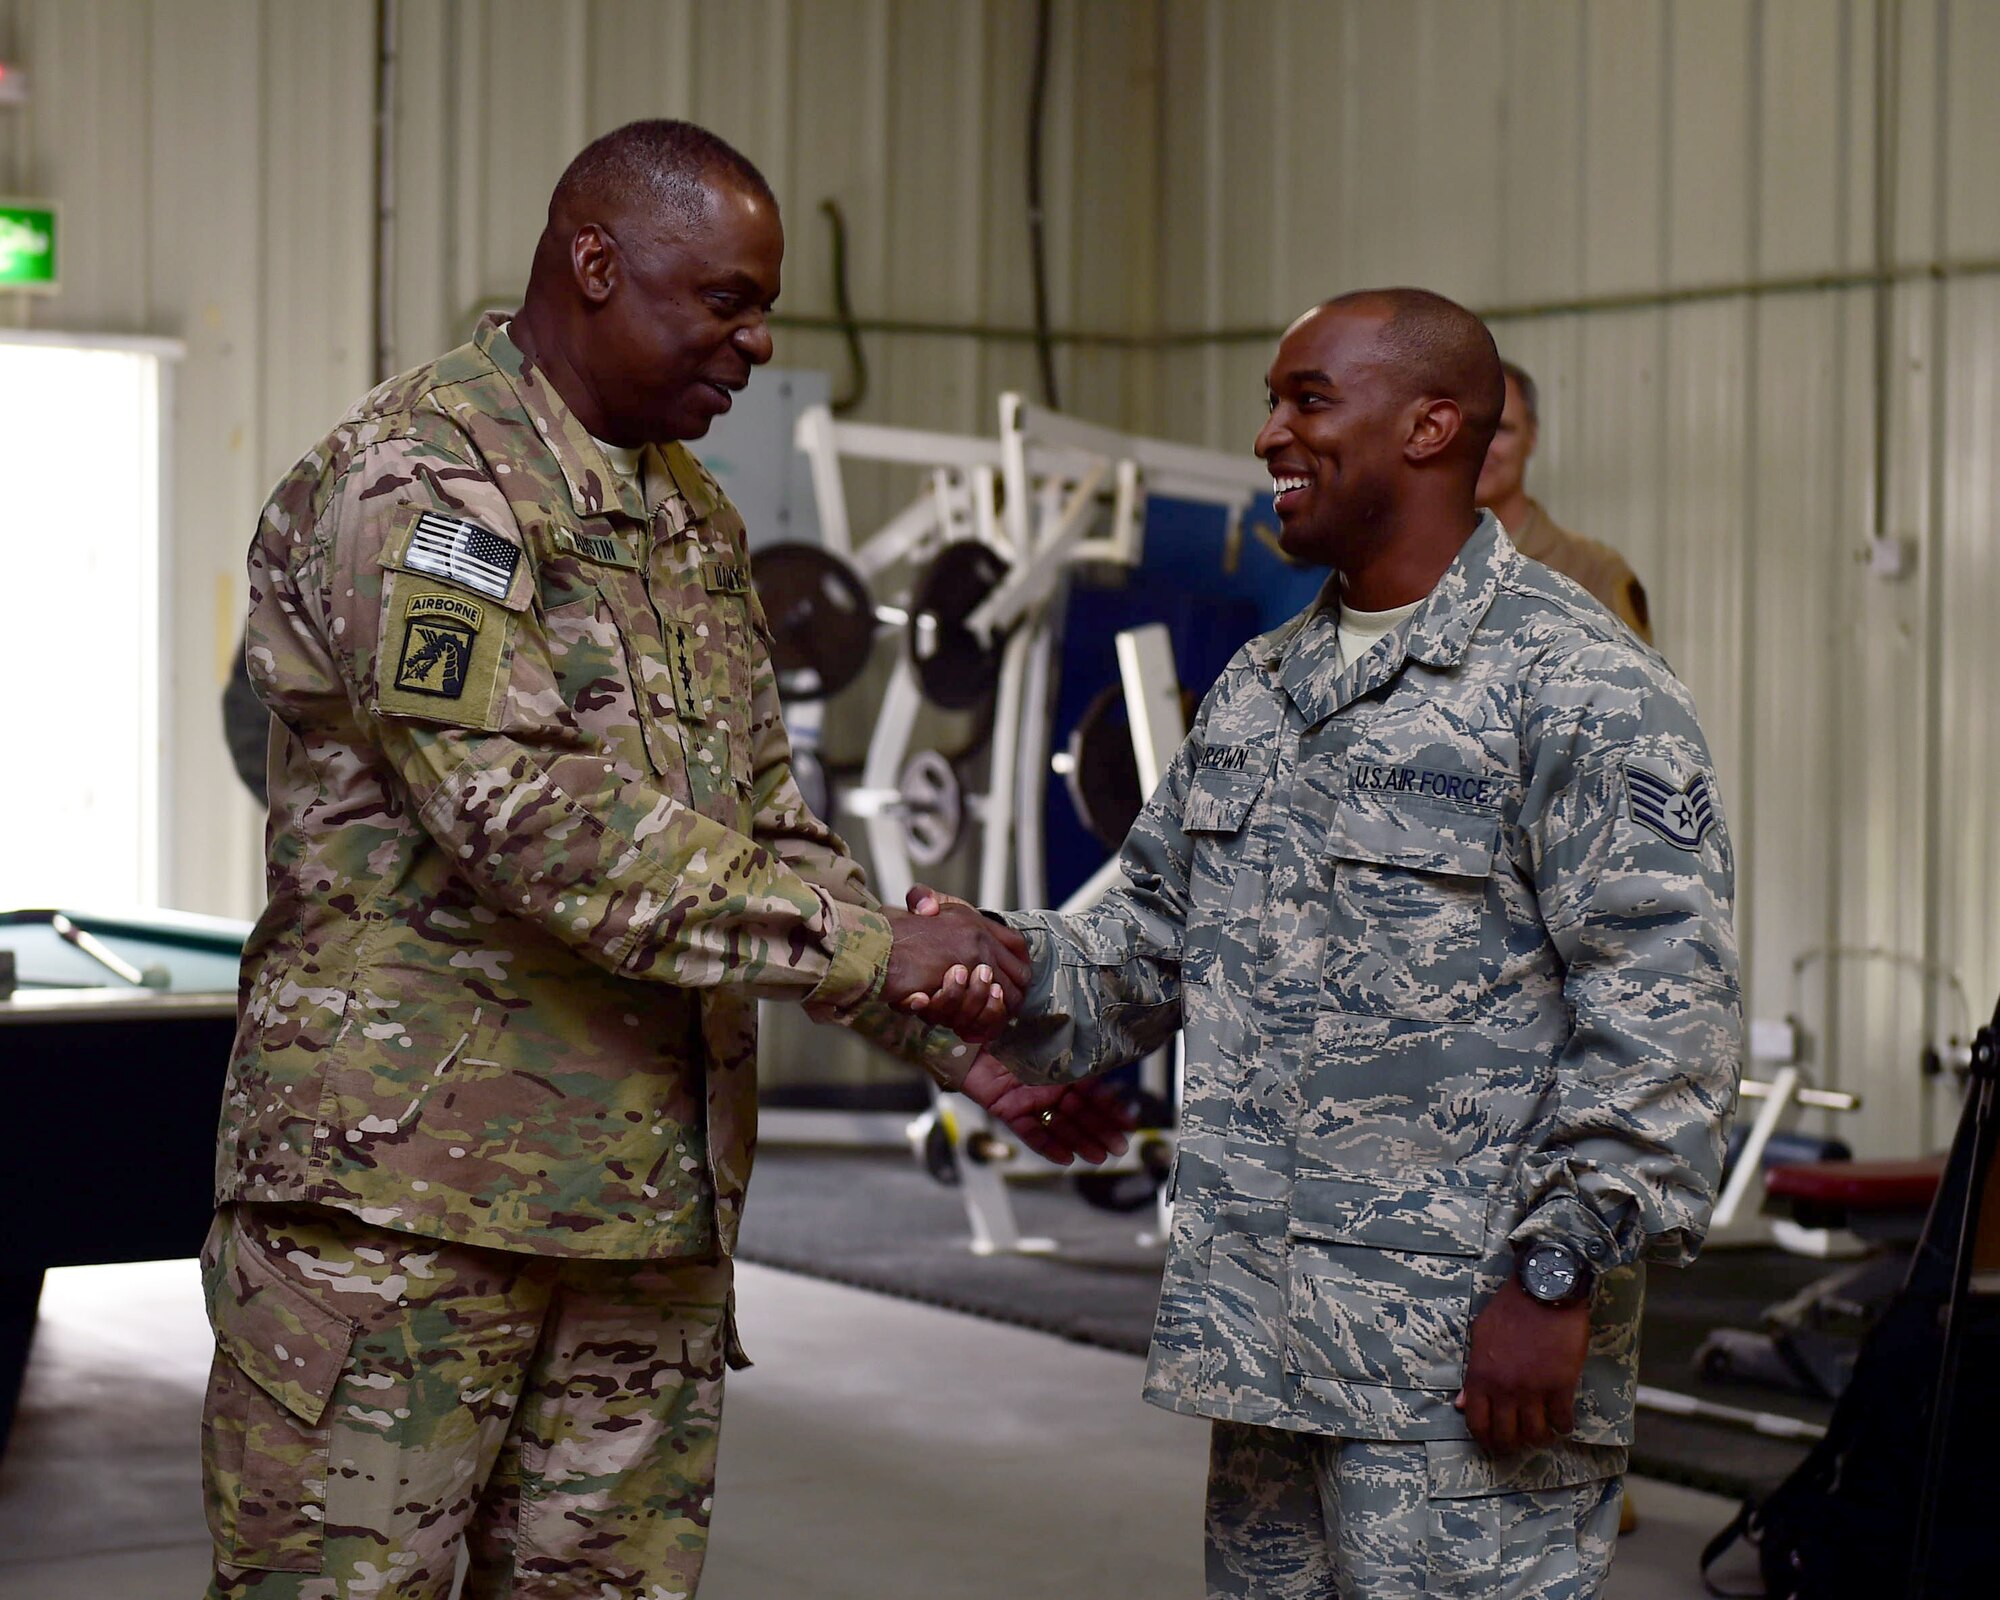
column 593, row 487
column 1305, row 653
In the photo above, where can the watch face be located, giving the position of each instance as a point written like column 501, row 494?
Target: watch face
column 1550, row 1273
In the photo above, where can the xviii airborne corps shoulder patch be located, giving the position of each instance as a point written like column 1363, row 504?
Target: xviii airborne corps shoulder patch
column 439, row 633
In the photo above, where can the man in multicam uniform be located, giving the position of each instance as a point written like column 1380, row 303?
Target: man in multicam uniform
column 1503, row 489
column 1439, row 891
column 534, row 854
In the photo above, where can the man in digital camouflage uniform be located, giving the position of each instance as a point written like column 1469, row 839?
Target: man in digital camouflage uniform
column 1439, row 889
column 534, row 854
column 1503, row 489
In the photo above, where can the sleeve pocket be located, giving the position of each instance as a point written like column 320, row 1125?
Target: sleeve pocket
column 279, row 1355
column 1219, row 801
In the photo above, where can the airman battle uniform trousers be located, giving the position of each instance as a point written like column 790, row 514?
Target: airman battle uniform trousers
column 1447, row 931
column 1297, row 1516
column 534, row 854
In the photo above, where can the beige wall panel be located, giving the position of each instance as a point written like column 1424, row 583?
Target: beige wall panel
column 1873, row 791
column 1380, row 81
column 520, row 103
column 1785, row 862
column 205, row 203
column 85, row 142
column 1695, row 581
column 1456, row 191
column 1308, row 142
column 929, row 231
column 1800, row 191
column 743, row 79
column 1617, row 436
column 1968, row 586
column 318, row 265
column 1972, row 137
column 1189, row 68
column 1541, row 151
column 640, row 61
column 1624, row 163
column 1710, row 170
column 1249, row 209
column 424, row 310
column 1922, row 40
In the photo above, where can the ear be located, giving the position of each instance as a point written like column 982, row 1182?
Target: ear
column 593, row 259
column 1434, row 424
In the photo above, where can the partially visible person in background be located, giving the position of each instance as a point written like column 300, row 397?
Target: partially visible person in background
column 1503, row 489
column 246, row 725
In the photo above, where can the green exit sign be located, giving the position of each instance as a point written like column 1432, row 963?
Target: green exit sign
column 27, row 245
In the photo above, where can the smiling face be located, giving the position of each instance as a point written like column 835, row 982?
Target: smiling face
column 1336, row 436
column 679, row 313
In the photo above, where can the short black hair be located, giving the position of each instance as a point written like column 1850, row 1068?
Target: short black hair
column 661, row 160
column 1444, row 350
column 1531, row 397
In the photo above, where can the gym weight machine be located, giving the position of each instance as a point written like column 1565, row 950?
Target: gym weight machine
column 994, row 536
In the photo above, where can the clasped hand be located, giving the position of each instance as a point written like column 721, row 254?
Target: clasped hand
column 951, row 966
column 966, row 972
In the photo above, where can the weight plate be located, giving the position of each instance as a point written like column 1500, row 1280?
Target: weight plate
column 932, row 810
column 1103, row 775
column 954, row 669
column 821, row 615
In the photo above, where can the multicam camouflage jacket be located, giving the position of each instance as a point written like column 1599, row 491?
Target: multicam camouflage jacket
column 1449, row 933
column 534, row 849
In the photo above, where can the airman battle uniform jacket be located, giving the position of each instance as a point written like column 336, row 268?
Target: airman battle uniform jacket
column 1449, row 934
column 534, row 847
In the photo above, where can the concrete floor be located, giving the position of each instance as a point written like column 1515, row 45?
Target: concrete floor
column 879, row 1448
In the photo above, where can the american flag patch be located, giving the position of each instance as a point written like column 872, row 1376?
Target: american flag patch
column 463, row 553
column 1679, row 813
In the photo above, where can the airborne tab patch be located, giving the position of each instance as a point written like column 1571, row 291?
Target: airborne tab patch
column 1679, row 813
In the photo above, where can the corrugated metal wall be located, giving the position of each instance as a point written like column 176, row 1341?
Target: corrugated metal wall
column 215, row 163
column 1610, row 180
column 192, row 149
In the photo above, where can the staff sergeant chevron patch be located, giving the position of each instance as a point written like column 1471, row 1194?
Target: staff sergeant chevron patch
column 1681, row 814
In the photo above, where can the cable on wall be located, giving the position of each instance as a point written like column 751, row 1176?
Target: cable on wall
column 843, row 306
column 1037, row 247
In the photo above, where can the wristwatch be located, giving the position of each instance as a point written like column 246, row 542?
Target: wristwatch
column 1553, row 1273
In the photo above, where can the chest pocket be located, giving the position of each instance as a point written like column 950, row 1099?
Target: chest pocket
column 1215, row 817
column 587, row 589
column 686, row 624
column 1416, row 928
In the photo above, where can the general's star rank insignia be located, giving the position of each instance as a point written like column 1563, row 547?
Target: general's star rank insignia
column 1679, row 813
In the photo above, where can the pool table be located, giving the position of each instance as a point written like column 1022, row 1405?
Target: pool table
column 112, row 1090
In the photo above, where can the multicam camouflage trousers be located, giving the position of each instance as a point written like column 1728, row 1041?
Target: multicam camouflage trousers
column 1296, row 1516
column 379, row 1399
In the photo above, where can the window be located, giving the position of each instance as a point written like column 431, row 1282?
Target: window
column 80, row 660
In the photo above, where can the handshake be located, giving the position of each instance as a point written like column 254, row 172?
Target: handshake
column 961, row 970
column 955, row 967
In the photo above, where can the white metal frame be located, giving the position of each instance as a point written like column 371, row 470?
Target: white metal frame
column 1034, row 495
